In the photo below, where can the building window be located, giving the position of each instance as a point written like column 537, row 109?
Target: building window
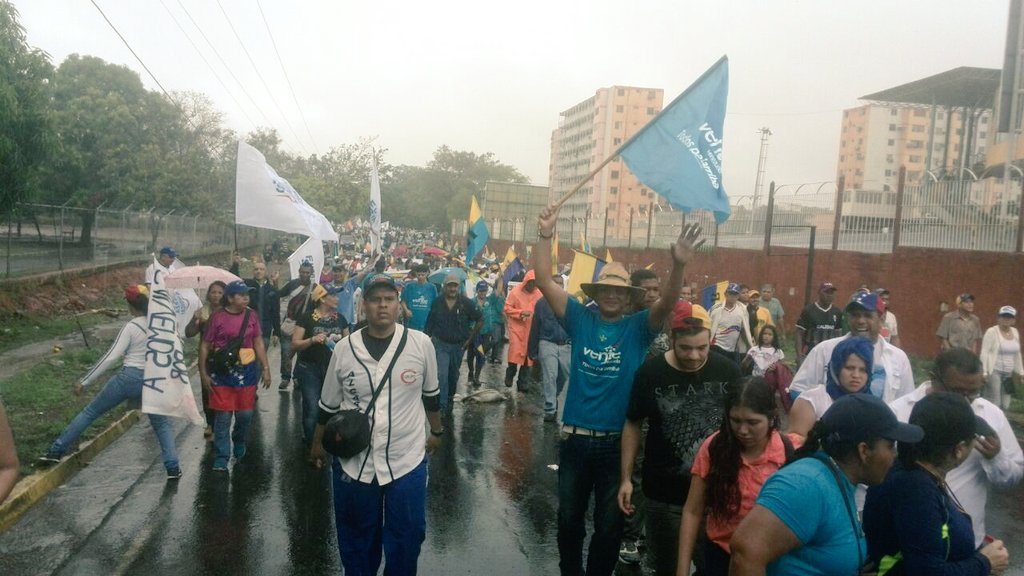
column 613, row 190
column 892, row 142
column 984, row 119
column 892, row 127
column 611, row 222
column 888, row 173
column 621, row 92
column 892, row 112
column 616, row 141
column 889, row 158
column 618, row 125
column 917, row 128
column 643, row 191
column 615, row 174
column 915, row 159
column 651, row 95
column 919, row 113
column 612, row 206
column 650, row 111
column 842, row 158
column 619, row 108
column 983, row 135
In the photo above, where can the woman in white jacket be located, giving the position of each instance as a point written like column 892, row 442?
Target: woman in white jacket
column 1000, row 357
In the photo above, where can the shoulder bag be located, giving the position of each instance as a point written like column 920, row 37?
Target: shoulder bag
column 228, row 356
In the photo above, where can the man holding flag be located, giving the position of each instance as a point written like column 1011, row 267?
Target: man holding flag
column 678, row 155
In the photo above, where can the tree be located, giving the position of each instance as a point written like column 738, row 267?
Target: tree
column 26, row 132
column 440, row 193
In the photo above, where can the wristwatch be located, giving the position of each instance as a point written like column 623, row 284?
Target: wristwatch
column 437, row 433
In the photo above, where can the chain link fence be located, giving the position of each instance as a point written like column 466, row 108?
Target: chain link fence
column 37, row 238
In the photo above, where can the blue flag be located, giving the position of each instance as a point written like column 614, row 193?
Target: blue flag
column 514, row 272
column 678, row 154
column 478, row 235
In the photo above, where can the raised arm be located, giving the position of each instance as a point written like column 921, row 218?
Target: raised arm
column 557, row 298
column 682, row 251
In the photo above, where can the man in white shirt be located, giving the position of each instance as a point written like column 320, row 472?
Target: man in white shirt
column 380, row 493
column 997, row 459
column 892, row 375
column 167, row 260
column 730, row 325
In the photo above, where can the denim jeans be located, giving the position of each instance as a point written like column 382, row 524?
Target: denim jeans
column 449, row 361
column 554, row 367
column 662, row 526
column 475, row 359
column 125, row 385
column 310, row 380
column 371, row 519
column 286, row 356
column 588, row 465
column 497, row 341
column 238, row 436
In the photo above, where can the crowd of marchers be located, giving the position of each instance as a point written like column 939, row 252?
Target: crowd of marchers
column 686, row 434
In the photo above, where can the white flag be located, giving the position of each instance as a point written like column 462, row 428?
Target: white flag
column 375, row 244
column 312, row 250
column 266, row 200
column 165, row 386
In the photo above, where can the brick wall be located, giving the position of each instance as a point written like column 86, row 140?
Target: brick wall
column 923, row 282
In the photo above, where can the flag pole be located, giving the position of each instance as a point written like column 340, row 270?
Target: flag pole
column 653, row 121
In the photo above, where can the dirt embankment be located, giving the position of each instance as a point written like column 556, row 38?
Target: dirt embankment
column 74, row 292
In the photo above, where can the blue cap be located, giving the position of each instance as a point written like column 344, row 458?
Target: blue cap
column 862, row 417
column 377, row 280
column 733, row 288
column 168, row 251
column 482, row 286
column 867, row 301
column 236, row 287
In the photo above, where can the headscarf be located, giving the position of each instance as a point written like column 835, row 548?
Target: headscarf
column 858, row 345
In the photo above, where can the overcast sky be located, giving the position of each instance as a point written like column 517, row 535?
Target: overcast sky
column 493, row 77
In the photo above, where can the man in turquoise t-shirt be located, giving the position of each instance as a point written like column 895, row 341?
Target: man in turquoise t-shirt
column 608, row 346
column 417, row 298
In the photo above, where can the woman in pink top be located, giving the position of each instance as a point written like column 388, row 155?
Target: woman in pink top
column 728, row 472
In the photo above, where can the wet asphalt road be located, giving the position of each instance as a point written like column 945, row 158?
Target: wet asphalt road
column 491, row 505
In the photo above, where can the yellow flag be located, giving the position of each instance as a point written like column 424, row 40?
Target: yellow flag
column 608, row 256
column 583, row 271
column 510, row 255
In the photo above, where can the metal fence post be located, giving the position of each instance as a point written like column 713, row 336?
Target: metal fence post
column 769, row 216
column 650, row 222
column 840, row 189
column 604, row 239
column 630, row 228
column 1020, row 217
column 810, row 266
column 897, row 221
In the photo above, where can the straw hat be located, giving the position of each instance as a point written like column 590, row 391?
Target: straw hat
column 612, row 274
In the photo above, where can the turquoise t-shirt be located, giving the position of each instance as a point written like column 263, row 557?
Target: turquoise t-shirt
column 419, row 298
column 605, row 357
column 806, row 498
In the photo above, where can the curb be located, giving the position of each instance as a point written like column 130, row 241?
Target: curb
column 30, row 490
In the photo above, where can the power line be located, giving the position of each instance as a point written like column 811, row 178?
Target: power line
column 127, row 45
column 225, row 64
column 208, row 65
column 259, row 75
column 287, row 79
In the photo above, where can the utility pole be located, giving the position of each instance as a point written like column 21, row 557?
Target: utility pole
column 762, row 162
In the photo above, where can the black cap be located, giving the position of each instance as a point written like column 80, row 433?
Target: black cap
column 861, row 417
column 346, row 434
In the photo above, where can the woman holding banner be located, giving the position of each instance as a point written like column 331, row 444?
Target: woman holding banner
column 130, row 346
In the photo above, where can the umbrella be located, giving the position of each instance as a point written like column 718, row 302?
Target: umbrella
column 199, row 277
column 434, row 251
column 439, row 276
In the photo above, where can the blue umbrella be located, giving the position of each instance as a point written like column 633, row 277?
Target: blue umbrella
column 439, row 276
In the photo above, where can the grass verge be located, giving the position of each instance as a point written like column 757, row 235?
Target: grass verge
column 21, row 329
column 40, row 403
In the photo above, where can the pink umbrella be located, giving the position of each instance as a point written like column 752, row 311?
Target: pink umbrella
column 198, row 277
column 434, row 251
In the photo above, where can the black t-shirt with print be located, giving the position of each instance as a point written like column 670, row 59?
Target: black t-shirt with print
column 819, row 325
column 331, row 324
column 683, row 409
